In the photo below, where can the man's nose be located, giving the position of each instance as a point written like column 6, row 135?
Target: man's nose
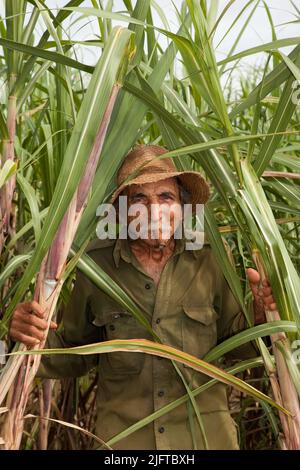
column 156, row 212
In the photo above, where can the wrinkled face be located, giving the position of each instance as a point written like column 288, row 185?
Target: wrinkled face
column 154, row 211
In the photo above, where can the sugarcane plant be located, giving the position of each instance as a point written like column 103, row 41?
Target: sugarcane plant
column 61, row 147
column 85, row 143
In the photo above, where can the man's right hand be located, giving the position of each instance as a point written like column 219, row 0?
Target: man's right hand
column 27, row 324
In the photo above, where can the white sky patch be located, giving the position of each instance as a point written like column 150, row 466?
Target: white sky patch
column 257, row 32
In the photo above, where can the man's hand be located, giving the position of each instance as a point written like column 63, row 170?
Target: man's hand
column 27, row 324
column 263, row 297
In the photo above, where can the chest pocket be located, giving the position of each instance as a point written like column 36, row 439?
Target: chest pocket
column 117, row 323
column 199, row 329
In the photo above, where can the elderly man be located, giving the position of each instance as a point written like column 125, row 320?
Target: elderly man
column 184, row 296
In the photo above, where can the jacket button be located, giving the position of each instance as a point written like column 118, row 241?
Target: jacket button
column 161, row 429
column 112, row 327
column 158, row 320
column 161, row 393
column 147, row 286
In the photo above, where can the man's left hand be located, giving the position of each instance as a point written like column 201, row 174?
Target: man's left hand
column 263, row 297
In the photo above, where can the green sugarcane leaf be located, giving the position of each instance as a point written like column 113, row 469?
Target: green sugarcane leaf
column 242, row 366
column 271, row 82
column 27, row 69
column 220, row 142
column 102, row 280
column 270, row 46
column 104, row 14
column 250, row 334
column 12, row 265
column 131, row 111
column 242, row 30
column 285, row 350
column 9, row 168
column 79, row 147
column 25, row 229
column 72, row 426
column 44, row 54
column 280, row 122
column 285, row 277
column 222, row 257
column 293, row 67
column 30, row 195
column 162, row 350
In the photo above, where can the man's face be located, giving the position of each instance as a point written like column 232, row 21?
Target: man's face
column 160, row 213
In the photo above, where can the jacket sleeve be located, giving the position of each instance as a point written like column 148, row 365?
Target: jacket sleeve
column 77, row 330
column 232, row 319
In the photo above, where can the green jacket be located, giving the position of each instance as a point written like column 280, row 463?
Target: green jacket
column 191, row 309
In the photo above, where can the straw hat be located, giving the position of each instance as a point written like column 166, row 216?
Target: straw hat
column 143, row 165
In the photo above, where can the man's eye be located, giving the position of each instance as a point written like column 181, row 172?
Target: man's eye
column 166, row 196
column 138, row 198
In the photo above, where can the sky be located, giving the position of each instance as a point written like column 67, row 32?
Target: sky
column 256, row 33
column 258, row 30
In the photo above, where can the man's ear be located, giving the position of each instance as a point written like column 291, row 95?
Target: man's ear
column 184, row 194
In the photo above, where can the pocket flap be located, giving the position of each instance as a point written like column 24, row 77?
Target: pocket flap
column 205, row 314
column 109, row 315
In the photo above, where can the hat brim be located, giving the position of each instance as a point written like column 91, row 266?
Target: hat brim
column 192, row 181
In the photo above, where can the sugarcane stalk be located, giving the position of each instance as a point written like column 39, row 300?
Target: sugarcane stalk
column 270, row 369
column 7, row 211
column 49, row 282
column 282, row 385
column 120, row 47
column 7, row 191
column 45, row 393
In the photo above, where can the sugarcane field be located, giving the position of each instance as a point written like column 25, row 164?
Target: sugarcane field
column 150, row 231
